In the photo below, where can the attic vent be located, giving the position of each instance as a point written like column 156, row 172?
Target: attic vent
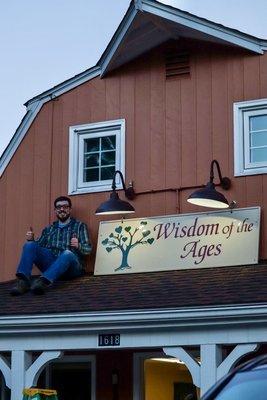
column 177, row 65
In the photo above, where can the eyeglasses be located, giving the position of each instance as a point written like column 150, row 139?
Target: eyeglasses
column 64, row 207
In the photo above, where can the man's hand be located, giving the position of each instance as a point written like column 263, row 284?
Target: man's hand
column 30, row 235
column 74, row 242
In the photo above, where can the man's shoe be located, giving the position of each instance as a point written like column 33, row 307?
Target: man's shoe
column 21, row 286
column 40, row 285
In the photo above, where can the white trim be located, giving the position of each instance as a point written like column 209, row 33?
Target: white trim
column 20, row 361
column 77, row 134
column 19, row 135
column 210, row 358
column 116, row 40
column 65, row 86
column 241, row 111
column 125, row 320
column 139, row 329
column 138, row 5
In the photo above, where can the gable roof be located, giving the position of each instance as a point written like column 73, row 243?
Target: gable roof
column 149, row 23
column 146, row 24
column 180, row 289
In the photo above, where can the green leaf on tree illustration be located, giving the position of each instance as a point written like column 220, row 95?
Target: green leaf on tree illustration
column 124, row 239
column 146, row 233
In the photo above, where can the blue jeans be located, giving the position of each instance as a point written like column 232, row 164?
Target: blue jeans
column 51, row 266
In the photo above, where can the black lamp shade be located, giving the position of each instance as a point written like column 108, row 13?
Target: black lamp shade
column 208, row 197
column 115, row 206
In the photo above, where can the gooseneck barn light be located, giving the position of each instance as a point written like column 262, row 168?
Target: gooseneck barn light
column 209, row 196
column 115, row 205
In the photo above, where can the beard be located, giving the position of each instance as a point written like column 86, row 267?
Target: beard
column 63, row 217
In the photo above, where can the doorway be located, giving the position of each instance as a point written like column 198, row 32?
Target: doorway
column 73, row 377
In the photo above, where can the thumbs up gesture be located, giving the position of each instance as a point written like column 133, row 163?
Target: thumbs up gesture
column 74, row 242
column 30, row 235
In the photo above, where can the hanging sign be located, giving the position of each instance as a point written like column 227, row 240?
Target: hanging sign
column 202, row 240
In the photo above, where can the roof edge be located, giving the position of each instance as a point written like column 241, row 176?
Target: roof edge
column 133, row 319
column 120, row 32
column 66, row 85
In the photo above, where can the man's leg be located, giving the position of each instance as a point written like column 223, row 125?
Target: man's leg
column 66, row 264
column 32, row 254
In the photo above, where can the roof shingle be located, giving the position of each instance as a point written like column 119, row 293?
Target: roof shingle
column 154, row 290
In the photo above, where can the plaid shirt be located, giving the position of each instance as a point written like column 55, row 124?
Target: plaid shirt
column 57, row 238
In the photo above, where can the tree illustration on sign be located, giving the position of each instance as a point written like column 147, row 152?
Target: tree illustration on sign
column 126, row 239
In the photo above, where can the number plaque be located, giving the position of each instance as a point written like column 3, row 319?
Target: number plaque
column 112, row 339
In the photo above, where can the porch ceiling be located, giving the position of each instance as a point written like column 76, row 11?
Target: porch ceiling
column 158, row 290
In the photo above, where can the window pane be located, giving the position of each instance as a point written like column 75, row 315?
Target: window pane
column 90, row 175
column 258, row 155
column 91, row 160
column 108, row 143
column 107, row 173
column 108, row 158
column 258, row 123
column 259, row 139
column 91, row 145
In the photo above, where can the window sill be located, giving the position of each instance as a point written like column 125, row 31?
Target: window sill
column 88, row 190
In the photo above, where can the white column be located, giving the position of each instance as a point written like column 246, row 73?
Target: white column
column 213, row 368
column 20, row 360
column 210, row 358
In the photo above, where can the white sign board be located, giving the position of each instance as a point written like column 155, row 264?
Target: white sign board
column 202, row 240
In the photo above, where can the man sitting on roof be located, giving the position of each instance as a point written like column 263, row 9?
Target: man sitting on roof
column 58, row 252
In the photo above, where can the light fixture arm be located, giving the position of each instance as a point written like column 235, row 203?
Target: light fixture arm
column 224, row 181
column 129, row 192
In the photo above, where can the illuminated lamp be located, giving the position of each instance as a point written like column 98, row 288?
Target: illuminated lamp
column 209, row 196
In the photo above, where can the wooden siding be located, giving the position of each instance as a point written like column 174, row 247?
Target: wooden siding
column 174, row 128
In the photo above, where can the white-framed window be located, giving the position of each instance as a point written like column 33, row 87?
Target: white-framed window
column 73, row 376
column 96, row 151
column 250, row 137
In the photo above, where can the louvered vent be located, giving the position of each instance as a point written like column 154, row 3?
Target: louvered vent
column 177, row 64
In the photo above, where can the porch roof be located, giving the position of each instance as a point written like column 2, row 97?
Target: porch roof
column 237, row 285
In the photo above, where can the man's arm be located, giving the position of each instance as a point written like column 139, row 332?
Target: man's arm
column 42, row 240
column 85, row 246
column 82, row 242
